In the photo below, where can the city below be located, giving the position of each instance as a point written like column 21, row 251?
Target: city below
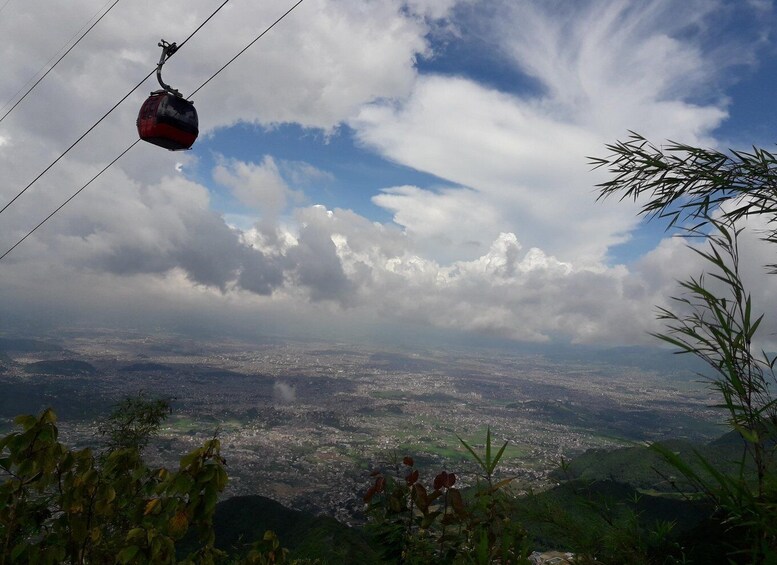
column 305, row 422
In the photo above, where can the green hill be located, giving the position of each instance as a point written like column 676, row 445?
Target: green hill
column 596, row 515
column 644, row 468
column 241, row 519
column 602, row 491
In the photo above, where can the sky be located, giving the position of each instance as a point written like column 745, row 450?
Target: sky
column 369, row 169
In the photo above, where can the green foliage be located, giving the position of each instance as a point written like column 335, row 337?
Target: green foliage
column 442, row 524
column 683, row 182
column 607, row 522
column 134, row 421
column 714, row 319
column 718, row 326
column 239, row 520
column 59, row 505
column 643, row 467
column 487, row 463
column 266, row 551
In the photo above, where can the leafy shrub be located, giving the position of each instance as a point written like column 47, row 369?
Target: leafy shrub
column 60, row 505
column 439, row 523
column 714, row 319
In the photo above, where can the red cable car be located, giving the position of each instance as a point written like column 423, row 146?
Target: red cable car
column 166, row 118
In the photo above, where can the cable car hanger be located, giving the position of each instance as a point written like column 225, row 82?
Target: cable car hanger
column 168, row 50
column 166, row 118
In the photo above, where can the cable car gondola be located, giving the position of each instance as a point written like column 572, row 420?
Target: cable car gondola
column 166, row 118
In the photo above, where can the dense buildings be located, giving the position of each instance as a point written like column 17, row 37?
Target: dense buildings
column 304, row 423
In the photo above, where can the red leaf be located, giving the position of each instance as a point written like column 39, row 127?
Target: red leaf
column 457, row 502
column 412, row 478
column 440, row 481
column 408, row 461
column 420, row 497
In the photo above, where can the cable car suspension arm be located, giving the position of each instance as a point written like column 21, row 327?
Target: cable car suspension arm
column 168, row 49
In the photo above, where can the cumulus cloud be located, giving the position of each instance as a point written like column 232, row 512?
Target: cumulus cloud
column 446, row 224
column 509, row 243
column 259, row 187
column 137, row 220
column 318, row 70
column 315, row 70
column 511, row 293
column 315, row 259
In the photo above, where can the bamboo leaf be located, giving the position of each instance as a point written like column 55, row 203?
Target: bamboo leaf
column 488, row 449
column 472, row 452
column 499, row 454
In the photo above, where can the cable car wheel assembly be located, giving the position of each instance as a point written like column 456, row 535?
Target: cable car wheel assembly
column 166, row 118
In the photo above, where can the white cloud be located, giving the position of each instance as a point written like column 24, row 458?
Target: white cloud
column 316, row 68
column 259, row 187
column 520, row 162
column 601, row 61
column 326, row 60
column 284, row 392
column 428, row 217
column 301, row 174
column 603, row 68
column 512, row 244
column 436, row 9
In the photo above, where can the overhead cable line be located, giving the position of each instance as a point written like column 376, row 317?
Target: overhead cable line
column 199, row 27
column 65, row 203
column 244, row 49
column 4, row 5
column 123, row 98
column 55, row 64
column 76, row 142
column 76, row 193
